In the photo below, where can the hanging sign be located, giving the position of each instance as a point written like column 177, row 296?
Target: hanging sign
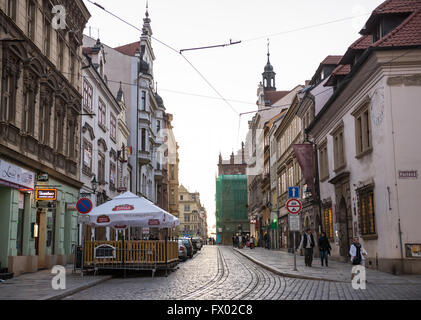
column 46, row 194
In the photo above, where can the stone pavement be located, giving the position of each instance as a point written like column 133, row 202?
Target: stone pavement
column 282, row 263
column 37, row 286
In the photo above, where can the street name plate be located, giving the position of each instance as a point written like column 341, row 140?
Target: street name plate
column 294, row 223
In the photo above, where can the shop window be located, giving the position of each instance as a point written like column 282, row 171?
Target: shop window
column 328, row 221
column 20, row 224
column 367, row 211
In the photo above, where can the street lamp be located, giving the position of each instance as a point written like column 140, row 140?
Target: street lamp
column 94, row 184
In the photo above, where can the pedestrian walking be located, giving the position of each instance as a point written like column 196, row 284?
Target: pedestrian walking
column 357, row 252
column 252, row 242
column 307, row 243
column 233, row 241
column 266, row 240
column 244, row 241
column 240, row 242
column 236, row 241
column 325, row 248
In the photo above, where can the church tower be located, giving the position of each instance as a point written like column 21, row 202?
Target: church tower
column 269, row 76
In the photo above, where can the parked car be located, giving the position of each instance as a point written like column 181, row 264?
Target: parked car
column 182, row 250
column 189, row 246
column 197, row 243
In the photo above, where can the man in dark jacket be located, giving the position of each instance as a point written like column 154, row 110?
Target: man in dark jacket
column 307, row 243
column 325, row 248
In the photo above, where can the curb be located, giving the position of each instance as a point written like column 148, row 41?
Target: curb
column 284, row 274
column 76, row 290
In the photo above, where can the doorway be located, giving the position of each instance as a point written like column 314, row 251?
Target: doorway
column 345, row 231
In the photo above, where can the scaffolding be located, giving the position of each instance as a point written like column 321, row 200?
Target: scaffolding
column 231, row 207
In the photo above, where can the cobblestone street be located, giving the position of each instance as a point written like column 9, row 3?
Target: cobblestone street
column 220, row 273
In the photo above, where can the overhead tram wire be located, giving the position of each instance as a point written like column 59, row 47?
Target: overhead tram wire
column 171, row 48
column 163, row 89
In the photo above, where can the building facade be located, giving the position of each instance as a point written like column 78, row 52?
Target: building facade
column 40, row 129
column 104, row 137
column 191, row 214
column 369, row 167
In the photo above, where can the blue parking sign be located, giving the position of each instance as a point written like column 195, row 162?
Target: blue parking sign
column 294, row 192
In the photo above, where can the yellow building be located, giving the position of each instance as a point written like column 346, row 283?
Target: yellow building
column 192, row 214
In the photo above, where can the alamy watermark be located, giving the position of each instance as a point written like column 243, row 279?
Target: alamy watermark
column 59, row 20
column 59, row 281
column 359, row 278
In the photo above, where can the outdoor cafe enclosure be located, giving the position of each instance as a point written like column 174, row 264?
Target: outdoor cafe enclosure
column 122, row 213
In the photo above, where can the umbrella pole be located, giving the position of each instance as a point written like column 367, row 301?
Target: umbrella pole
column 166, row 251
column 124, row 256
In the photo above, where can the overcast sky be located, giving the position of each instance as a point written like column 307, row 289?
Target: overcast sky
column 204, row 127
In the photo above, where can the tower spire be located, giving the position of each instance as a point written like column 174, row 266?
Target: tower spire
column 147, row 30
column 269, row 74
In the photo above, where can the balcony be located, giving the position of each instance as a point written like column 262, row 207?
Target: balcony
column 158, row 174
column 144, row 157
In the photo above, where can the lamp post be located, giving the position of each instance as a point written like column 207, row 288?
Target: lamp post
column 94, row 185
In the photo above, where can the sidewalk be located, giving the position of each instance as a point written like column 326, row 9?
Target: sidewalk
column 37, row 286
column 282, row 263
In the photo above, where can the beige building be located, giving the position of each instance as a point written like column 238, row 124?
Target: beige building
column 173, row 169
column 366, row 135
column 191, row 214
column 40, row 132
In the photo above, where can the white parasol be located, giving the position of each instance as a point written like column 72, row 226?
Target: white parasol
column 129, row 210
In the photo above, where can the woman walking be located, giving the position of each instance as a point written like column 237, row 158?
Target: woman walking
column 325, row 248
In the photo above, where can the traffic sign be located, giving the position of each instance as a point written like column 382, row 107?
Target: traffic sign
column 294, row 192
column 84, row 206
column 294, row 223
column 294, row 206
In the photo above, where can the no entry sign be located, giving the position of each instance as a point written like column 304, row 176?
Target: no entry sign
column 294, row 206
column 84, row 206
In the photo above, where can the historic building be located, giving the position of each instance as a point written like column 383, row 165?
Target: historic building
column 104, row 137
column 172, row 169
column 231, row 198
column 132, row 64
column 369, row 168
column 39, row 133
column 191, row 214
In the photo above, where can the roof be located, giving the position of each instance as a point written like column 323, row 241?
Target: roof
column 270, row 123
column 407, row 34
column 129, row 49
column 332, row 60
column 275, row 96
column 393, row 7
column 341, row 70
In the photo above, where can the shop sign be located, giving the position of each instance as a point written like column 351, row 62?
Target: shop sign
column 120, row 227
column 124, row 207
column 46, row 194
column 413, row 250
column 103, row 219
column 17, row 177
column 43, row 177
column 154, row 222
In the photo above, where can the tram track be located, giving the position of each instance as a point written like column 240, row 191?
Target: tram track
column 220, row 277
